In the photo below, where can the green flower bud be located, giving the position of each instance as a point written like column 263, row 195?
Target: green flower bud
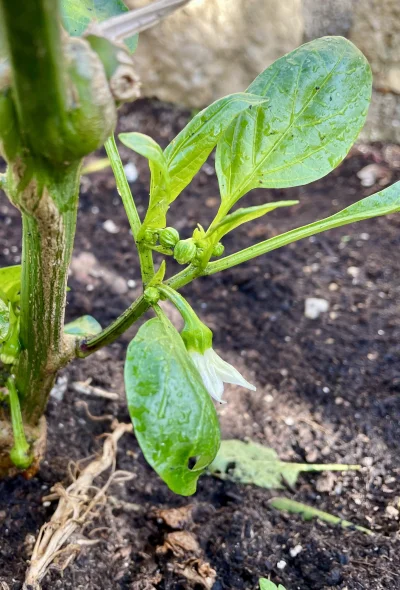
column 150, row 237
column 219, row 249
column 168, row 237
column 185, row 251
column 152, row 295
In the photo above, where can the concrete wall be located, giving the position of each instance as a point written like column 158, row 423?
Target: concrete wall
column 213, row 47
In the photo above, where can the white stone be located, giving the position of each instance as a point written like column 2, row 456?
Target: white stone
column 110, row 227
column 281, row 564
column 131, row 172
column 314, row 306
column 296, row 550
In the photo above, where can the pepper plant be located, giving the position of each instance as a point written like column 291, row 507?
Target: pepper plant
column 59, row 91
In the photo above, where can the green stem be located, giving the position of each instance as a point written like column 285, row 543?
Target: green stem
column 145, row 254
column 49, row 205
column 31, row 31
column 19, row 454
column 114, row 330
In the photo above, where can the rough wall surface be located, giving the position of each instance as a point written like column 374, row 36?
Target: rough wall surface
column 213, row 47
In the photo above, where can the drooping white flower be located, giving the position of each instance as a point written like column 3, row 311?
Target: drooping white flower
column 214, row 372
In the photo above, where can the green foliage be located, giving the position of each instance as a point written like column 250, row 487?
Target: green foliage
column 160, row 186
column 317, row 100
column 382, row 203
column 308, row 513
column 84, row 326
column 10, row 283
column 256, row 464
column 268, row 585
column 172, row 413
column 78, row 14
column 240, row 216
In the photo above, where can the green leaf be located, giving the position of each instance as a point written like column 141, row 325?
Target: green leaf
column 253, row 463
column 317, row 102
column 4, row 320
column 10, row 282
column 382, row 203
column 172, row 413
column 268, row 585
column 190, row 149
column 240, row 216
column 160, row 191
column 308, row 513
column 84, row 326
column 78, row 14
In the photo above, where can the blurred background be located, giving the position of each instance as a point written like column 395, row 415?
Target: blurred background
column 213, row 47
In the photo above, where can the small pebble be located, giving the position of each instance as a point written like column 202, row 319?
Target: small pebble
column 281, row 564
column 110, row 227
column 131, row 284
column 353, row 271
column 289, row 421
column 296, row 550
column 131, row 172
column 314, row 306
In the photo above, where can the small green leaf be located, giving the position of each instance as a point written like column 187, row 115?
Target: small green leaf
column 78, row 14
column 253, row 463
column 240, row 216
column 160, row 191
column 173, row 415
column 308, row 513
column 268, row 585
column 84, row 326
column 10, row 282
column 382, row 203
column 190, row 149
column 4, row 320
column 317, row 102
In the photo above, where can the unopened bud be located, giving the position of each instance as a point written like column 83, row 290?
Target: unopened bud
column 219, row 249
column 185, row 251
column 168, row 237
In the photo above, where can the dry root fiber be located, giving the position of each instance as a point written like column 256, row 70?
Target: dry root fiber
column 76, row 505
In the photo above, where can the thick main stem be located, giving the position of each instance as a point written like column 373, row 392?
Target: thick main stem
column 48, row 235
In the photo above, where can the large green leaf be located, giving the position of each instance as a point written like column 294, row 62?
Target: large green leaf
column 84, row 326
column 189, row 150
column 382, row 203
column 173, row 415
column 10, row 282
column 160, row 191
column 253, row 463
column 78, row 14
column 317, row 102
column 243, row 215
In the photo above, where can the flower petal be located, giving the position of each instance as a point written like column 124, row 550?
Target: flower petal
column 225, row 371
column 212, row 382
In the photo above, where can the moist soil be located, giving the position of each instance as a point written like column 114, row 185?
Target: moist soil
column 327, row 391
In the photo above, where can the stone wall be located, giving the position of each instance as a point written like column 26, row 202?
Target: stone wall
column 214, row 47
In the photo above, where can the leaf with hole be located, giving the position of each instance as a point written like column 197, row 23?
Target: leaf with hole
column 174, row 418
column 190, row 149
column 78, row 14
column 160, row 183
column 256, row 464
column 317, row 100
column 84, row 326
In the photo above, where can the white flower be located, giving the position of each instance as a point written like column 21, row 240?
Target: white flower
column 215, row 372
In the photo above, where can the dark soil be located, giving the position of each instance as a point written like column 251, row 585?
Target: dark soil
column 327, row 391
